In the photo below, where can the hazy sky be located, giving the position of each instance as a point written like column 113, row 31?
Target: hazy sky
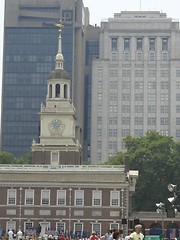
column 103, row 9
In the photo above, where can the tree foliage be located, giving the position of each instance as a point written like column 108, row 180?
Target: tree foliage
column 8, row 158
column 157, row 159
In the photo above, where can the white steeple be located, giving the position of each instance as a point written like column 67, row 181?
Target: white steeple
column 59, row 56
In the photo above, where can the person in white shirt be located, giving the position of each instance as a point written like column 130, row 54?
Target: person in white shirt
column 19, row 234
column 10, row 234
column 137, row 235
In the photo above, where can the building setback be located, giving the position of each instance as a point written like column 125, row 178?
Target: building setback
column 135, row 81
column 30, row 44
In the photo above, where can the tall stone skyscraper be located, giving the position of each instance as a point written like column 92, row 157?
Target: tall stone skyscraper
column 135, row 81
column 30, row 44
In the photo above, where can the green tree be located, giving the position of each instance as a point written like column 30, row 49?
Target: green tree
column 25, row 159
column 6, row 158
column 156, row 157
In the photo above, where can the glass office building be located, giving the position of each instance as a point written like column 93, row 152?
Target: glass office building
column 30, row 46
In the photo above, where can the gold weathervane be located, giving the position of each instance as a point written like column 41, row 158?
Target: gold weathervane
column 59, row 25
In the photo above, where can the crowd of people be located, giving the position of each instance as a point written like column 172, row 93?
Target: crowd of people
column 113, row 234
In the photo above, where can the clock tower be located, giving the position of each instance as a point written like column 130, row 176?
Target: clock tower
column 58, row 144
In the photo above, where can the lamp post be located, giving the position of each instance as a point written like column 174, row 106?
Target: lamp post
column 70, row 199
column 161, row 209
column 20, row 206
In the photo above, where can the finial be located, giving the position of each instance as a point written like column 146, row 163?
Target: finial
column 59, row 25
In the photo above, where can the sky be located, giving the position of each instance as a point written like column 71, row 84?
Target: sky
column 104, row 9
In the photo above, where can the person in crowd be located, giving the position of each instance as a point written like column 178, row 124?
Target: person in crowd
column 112, row 231
column 10, row 234
column 93, row 236
column 137, row 235
column 19, row 235
column 116, row 235
column 128, row 236
column 107, row 234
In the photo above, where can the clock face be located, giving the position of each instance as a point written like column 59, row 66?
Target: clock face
column 56, row 126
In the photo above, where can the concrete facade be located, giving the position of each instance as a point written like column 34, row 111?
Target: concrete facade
column 135, row 81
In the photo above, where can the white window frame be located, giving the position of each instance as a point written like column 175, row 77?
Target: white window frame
column 9, row 191
column 62, row 226
column 80, row 199
column 114, row 226
column 31, row 192
column 97, row 192
column 117, row 199
column 61, row 197
column 96, row 229
column 10, row 225
column 52, row 158
column 42, row 192
column 77, row 229
column 28, row 222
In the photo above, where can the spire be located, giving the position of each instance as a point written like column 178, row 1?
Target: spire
column 59, row 56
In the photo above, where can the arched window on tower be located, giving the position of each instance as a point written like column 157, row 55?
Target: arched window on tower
column 50, row 91
column 57, row 90
column 65, row 91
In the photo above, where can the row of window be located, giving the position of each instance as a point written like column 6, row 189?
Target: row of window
column 63, row 227
column 137, row 72
column 139, row 44
column 61, row 197
column 137, row 121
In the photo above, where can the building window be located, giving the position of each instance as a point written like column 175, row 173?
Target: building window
column 165, row 44
column 164, row 56
column 126, row 85
column 126, row 56
column 61, row 197
column 138, row 97
column 114, row 56
column 126, row 44
column 112, row 120
column 139, row 85
column 112, row 132
column 99, row 96
column 151, row 85
column 177, row 72
column 125, row 132
column 79, row 197
column 139, row 73
column 152, row 121
column 29, row 225
column 151, row 56
column 100, row 72
column 178, row 109
column 177, row 85
column 10, row 225
column 60, row 227
column 138, row 120
column 55, row 157
column 45, row 197
column 115, row 198
column 78, row 229
column 126, row 97
column 139, row 56
column 139, row 44
column 29, row 197
column 164, row 132
column 98, row 157
column 152, row 44
column 152, row 73
column 177, row 133
column 125, row 120
column 164, row 85
column 113, row 73
column 96, row 227
column 164, row 72
column 138, row 109
column 126, row 73
column 126, row 108
column 177, row 121
column 99, row 132
column 164, row 121
column 97, row 198
column 99, row 120
column 151, row 97
column 113, row 145
column 99, row 144
column 164, row 109
column 11, row 196
column 138, row 132
column 151, row 108
column 164, row 97
column 114, row 225
column 114, row 42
